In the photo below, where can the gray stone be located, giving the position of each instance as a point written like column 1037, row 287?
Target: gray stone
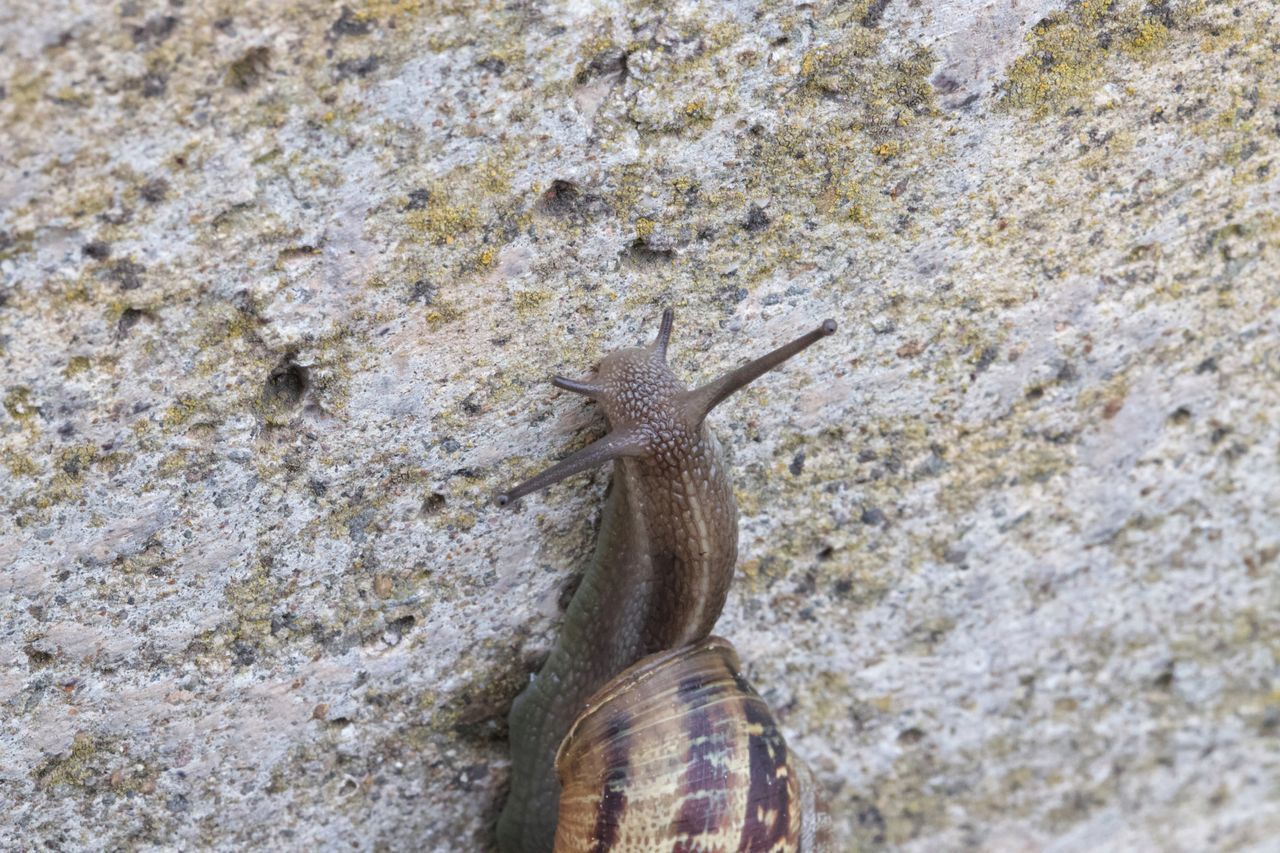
column 281, row 286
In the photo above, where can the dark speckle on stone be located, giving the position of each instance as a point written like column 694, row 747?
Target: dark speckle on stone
column 607, row 63
column 247, row 71
column 154, row 31
column 243, row 653
column 348, row 24
column 757, row 219
column 797, row 464
column 423, row 291
column 985, row 358
column 356, row 526
column 154, row 190
column 872, row 516
column 98, row 250
column 128, row 274
column 1209, row 365
column 154, row 84
column 493, row 65
column 418, row 199
column 875, row 11
column 1270, row 724
column 640, row 253
column 363, row 67
column 560, row 198
column 287, row 383
column 945, row 85
column 129, row 318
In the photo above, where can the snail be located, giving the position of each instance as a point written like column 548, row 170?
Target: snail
column 662, row 564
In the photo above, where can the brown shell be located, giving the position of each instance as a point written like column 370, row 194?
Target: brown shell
column 679, row 753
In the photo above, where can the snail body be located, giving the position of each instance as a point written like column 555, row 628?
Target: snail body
column 678, row 752
column 662, row 563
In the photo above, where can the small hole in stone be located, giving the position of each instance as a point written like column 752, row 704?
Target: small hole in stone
column 287, row 383
column 432, row 503
column 641, row 253
column 561, row 198
column 910, row 736
column 129, row 318
column 402, row 625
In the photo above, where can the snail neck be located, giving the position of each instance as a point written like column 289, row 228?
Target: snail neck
column 658, row 580
column 682, row 497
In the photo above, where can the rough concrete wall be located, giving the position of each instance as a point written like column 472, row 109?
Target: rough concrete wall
column 282, row 284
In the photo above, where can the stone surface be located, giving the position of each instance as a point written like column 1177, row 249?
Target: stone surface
column 281, row 285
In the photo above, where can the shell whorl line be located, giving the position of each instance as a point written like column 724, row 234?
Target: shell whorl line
column 678, row 752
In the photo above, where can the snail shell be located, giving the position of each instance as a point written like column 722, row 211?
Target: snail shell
column 679, row 753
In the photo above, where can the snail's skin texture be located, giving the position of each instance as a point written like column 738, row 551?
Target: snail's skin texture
column 680, row 753
column 662, row 564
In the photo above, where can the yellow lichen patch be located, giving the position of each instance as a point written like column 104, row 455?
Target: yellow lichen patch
column 17, row 402
column 889, row 150
column 76, row 365
column 20, row 464
column 172, row 463
column 180, row 412
column 76, row 767
column 74, row 461
column 527, row 301
column 1067, row 50
column 442, row 221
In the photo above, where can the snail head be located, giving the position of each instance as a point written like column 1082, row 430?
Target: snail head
column 647, row 406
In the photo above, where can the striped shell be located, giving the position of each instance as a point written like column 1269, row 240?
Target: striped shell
column 679, row 753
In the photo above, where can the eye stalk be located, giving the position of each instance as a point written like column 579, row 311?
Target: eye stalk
column 626, row 439
column 586, row 389
column 664, row 333
column 699, row 402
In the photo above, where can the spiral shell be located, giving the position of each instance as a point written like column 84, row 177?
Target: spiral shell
column 679, row 753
